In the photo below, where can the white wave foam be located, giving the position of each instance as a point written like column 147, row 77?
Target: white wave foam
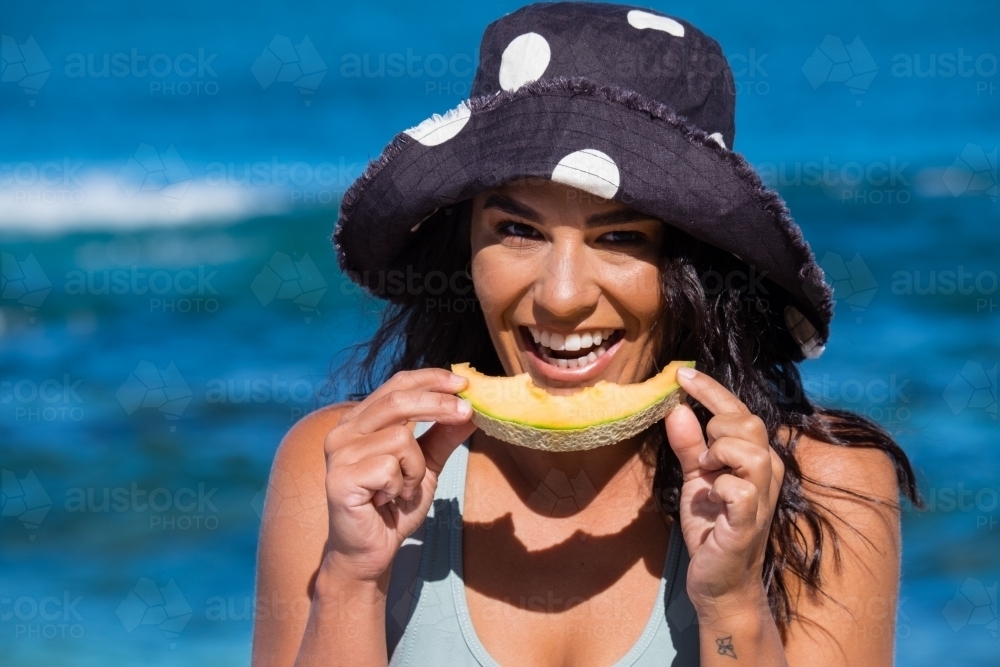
column 100, row 203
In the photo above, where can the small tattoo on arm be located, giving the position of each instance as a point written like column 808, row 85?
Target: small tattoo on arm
column 725, row 646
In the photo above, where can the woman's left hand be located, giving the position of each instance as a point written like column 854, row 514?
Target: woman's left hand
column 729, row 493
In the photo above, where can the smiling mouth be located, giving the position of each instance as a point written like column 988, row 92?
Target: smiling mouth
column 574, row 350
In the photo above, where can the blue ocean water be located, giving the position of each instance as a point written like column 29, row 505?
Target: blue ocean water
column 171, row 303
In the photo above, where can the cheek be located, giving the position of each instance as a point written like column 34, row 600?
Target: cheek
column 498, row 283
column 636, row 287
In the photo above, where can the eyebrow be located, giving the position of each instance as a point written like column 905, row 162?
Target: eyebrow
column 513, row 207
column 616, row 217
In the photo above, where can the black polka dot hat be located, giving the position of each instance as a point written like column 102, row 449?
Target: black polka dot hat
column 622, row 102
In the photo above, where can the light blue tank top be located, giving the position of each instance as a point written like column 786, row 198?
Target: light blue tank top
column 427, row 616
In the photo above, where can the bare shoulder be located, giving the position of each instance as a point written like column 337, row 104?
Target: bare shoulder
column 852, row 622
column 856, row 489
column 302, row 446
column 296, row 489
column 293, row 534
column 868, row 471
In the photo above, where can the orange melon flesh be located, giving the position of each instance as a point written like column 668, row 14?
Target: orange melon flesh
column 513, row 409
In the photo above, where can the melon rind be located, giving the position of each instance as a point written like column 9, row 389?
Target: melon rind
column 579, row 439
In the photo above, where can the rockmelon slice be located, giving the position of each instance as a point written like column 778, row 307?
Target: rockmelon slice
column 515, row 410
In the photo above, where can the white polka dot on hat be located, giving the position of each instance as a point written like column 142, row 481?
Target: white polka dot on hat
column 524, row 60
column 440, row 128
column 642, row 20
column 717, row 138
column 589, row 170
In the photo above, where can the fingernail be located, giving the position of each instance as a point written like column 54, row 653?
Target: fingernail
column 686, row 373
column 703, row 456
column 464, row 408
column 456, row 379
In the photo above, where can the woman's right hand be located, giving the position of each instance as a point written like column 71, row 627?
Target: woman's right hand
column 380, row 479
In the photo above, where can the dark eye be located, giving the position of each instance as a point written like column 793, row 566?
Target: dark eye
column 625, row 238
column 516, row 229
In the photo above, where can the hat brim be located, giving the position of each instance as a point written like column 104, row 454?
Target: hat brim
column 663, row 166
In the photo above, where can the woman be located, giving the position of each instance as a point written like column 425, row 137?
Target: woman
column 581, row 218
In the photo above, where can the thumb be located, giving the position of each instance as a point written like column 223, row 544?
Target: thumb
column 686, row 439
column 440, row 440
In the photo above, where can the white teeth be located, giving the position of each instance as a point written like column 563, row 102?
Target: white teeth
column 593, row 343
column 574, row 363
column 571, row 342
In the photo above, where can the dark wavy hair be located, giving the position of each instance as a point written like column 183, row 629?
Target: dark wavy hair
column 733, row 329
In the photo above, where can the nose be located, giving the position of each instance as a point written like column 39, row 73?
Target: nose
column 565, row 285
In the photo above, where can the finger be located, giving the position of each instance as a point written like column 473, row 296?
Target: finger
column 440, row 440
column 741, row 500
column 424, row 379
column 709, row 393
column 747, row 426
column 777, row 476
column 686, row 439
column 747, row 461
column 374, row 476
column 399, row 407
column 397, row 441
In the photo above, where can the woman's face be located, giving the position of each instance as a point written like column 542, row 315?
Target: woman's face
column 568, row 283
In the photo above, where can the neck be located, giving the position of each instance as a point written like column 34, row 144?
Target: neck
column 566, row 483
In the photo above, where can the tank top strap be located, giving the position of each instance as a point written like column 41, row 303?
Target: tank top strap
column 418, row 594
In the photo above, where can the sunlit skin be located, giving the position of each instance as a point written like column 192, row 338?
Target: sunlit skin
column 351, row 482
